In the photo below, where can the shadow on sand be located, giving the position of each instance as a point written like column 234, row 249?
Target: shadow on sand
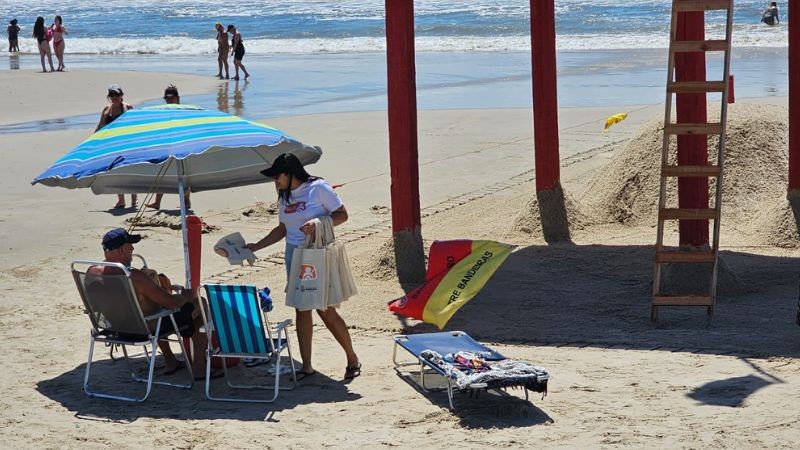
column 595, row 295
column 184, row 404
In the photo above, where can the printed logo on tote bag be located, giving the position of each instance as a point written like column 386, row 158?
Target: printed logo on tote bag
column 308, row 272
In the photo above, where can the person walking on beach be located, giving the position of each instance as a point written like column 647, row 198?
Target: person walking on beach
column 171, row 97
column 114, row 109
column 223, row 49
column 40, row 33
column 770, row 16
column 13, row 36
column 237, row 48
column 302, row 198
column 59, row 31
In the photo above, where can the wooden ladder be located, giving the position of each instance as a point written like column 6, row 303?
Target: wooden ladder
column 692, row 255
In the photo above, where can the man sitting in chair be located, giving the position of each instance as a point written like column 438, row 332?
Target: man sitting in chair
column 153, row 292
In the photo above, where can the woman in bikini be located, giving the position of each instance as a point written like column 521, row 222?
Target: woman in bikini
column 114, row 109
column 59, row 31
column 237, row 48
column 223, row 48
column 40, row 33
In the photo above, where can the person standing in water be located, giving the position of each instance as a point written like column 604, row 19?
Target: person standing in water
column 223, row 49
column 770, row 16
column 237, row 47
column 40, row 33
column 13, row 36
column 59, row 31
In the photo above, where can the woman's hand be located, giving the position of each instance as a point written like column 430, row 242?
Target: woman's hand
column 309, row 227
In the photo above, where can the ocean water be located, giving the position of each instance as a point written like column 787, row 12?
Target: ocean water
column 186, row 27
column 313, row 56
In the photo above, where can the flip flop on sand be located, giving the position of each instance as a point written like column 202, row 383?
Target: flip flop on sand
column 352, row 371
column 179, row 366
column 301, row 375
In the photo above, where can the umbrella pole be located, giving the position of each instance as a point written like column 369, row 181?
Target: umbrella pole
column 184, row 230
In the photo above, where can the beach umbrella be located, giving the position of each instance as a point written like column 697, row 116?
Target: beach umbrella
column 171, row 148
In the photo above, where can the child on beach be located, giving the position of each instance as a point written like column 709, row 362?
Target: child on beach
column 13, row 36
column 59, row 31
column 43, row 42
column 114, row 109
column 223, row 48
column 237, row 48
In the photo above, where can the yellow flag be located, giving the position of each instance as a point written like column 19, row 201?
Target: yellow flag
column 616, row 118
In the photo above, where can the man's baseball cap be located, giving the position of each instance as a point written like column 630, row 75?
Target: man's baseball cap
column 118, row 237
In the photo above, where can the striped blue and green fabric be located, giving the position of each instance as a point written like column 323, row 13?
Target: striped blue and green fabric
column 138, row 152
column 237, row 319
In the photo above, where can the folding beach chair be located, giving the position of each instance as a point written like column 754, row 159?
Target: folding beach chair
column 243, row 331
column 440, row 353
column 117, row 319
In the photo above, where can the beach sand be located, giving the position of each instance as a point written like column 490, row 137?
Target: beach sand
column 579, row 309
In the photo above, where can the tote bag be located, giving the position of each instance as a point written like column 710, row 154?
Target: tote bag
column 341, row 285
column 308, row 277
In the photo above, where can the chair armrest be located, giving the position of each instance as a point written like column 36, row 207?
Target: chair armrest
column 162, row 313
column 283, row 325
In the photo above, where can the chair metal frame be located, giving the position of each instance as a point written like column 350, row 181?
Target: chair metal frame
column 142, row 335
column 276, row 339
column 433, row 369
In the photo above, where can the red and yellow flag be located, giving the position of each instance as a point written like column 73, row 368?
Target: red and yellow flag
column 457, row 271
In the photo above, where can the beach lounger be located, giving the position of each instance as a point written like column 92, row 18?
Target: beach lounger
column 244, row 332
column 113, row 309
column 467, row 365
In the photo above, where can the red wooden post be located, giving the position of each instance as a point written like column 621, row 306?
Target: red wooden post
column 794, row 99
column 402, row 98
column 731, row 94
column 691, row 108
column 194, row 226
column 545, row 98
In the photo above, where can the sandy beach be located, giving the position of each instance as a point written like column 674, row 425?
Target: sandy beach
column 579, row 309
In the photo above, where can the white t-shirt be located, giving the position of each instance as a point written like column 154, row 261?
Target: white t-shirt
column 311, row 200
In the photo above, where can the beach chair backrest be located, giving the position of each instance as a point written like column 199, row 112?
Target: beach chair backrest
column 111, row 303
column 237, row 319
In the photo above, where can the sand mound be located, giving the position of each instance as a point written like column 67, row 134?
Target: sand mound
column 528, row 221
column 166, row 221
column 777, row 226
column 379, row 265
column 756, row 165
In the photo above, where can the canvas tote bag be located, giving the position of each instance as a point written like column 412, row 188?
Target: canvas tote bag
column 342, row 285
column 308, row 276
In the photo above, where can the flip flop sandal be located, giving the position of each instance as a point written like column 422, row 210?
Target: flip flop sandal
column 300, row 375
column 353, row 371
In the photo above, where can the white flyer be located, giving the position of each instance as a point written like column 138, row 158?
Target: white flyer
column 233, row 247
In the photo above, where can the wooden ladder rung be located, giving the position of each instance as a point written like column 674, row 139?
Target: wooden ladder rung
column 687, row 214
column 706, row 256
column 695, row 87
column 711, row 45
column 682, row 300
column 694, row 128
column 700, row 5
column 690, row 171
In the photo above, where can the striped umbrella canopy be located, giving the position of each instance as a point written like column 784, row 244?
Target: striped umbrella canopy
column 151, row 149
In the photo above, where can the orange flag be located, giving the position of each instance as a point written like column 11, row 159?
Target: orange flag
column 457, row 271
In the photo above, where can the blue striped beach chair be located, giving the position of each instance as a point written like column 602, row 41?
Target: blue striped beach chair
column 244, row 332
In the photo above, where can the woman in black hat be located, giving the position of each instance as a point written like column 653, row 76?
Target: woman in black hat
column 302, row 198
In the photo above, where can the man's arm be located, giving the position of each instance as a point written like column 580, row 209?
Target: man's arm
column 146, row 288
